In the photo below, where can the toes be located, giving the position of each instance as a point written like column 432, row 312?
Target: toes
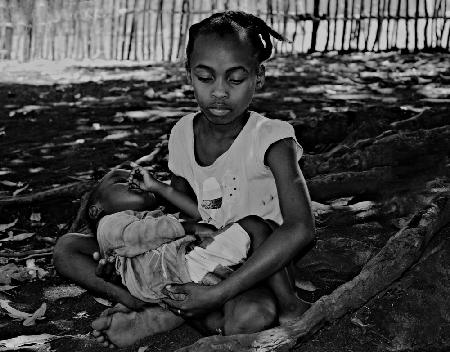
column 102, row 323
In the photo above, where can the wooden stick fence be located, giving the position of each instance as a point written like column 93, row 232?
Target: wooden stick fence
column 156, row 30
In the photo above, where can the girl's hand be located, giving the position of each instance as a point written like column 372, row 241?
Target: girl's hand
column 106, row 269
column 191, row 299
column 140, row 178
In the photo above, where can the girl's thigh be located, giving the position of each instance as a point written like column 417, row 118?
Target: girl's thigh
column 251, row 311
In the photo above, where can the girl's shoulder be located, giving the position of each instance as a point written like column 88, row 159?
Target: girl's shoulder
column 184, row 122
column 262, row 125
column 267, row 131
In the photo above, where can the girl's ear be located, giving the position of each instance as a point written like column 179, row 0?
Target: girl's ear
column 188, row 76
column 260, row 76
column 94, row 211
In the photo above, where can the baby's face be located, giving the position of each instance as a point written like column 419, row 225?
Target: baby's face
column 117, row 196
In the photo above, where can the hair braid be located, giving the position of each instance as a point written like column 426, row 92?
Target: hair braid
column 227, row 22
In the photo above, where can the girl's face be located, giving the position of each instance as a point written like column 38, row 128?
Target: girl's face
column 224, row 76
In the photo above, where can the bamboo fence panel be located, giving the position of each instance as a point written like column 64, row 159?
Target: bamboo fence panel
column 156, row 30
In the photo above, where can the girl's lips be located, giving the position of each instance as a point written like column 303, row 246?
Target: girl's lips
column 219, row 111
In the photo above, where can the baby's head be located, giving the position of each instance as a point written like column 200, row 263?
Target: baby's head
column 113, row 194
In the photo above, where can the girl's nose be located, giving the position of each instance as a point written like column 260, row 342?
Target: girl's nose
column 220, row 91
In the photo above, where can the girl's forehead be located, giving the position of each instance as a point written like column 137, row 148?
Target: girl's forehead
column 222, row 50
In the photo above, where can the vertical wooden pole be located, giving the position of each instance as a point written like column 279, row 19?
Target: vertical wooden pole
column 328, row 25
column 172, row 31
column 352, row 20
column 315, row 26
column 294, row 36
column 379, row 23
column 127, row 26
column 416, row 27
column 162, row 26
column 369, row 27
column 407, row 25
column 147, row 29
column 435, row 37
column 336, row 13
column 440, row 30
column 361, row 23
column 139, row 36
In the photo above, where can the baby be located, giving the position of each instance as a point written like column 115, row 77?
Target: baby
column 152, row 249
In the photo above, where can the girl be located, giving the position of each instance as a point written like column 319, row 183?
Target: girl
column 234, row 163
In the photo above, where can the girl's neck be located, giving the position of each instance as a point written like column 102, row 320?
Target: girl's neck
column 227, row 131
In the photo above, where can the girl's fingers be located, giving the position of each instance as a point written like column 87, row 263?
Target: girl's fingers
column 99, row 270
column 96, row 256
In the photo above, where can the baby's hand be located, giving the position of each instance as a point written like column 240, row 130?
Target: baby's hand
column 140, row 178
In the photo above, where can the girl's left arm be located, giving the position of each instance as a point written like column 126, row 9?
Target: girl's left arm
column 296, row 232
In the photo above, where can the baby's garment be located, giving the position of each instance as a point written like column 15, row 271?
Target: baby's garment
column 229, row 247
column 151, row 252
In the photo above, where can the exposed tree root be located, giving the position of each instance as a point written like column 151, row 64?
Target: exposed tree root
column 389, row 149
column 400, row 252
column 72, row 190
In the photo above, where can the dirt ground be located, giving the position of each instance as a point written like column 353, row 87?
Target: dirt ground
column 62, row 125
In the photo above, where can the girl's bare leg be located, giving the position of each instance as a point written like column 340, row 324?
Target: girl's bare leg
column 249, row 312
column 290, row 306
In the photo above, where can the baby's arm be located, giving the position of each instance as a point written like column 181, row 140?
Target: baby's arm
column 177, row 198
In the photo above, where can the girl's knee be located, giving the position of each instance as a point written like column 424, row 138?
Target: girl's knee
column 252, row 318
column 257, row 228
column 69, row 245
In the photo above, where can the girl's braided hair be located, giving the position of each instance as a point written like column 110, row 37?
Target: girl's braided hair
column 227, row 22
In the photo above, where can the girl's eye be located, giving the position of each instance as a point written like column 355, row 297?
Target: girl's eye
column 236, row 81
column 204, row 79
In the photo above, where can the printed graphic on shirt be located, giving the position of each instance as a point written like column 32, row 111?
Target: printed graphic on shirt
column 211, row 196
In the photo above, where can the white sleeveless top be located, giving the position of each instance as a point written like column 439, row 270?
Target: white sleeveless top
column 238, row 183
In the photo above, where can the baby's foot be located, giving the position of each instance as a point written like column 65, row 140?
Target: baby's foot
column 121, row 327
column 292, row 310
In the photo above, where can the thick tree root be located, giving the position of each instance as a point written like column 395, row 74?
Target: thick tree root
column 400, row 252
column 389, row 149
column 72, row 190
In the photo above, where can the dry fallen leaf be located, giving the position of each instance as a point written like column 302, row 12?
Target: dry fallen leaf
column 38, row 314
column 35, row 217
column 12, row 271
column 63, row 291
column 32, row 342
column 13, row 312
column 103, row 301
column 28, row 319
column 34, row 270
column 6, row 287
column 4, row 227
column 19, row 237
column 305, row 285
column 19, row 190
column 356, row 321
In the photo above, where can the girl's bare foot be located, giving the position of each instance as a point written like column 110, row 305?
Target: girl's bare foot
column 121, row 327
column 292, row 310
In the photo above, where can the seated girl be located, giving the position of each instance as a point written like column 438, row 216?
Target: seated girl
column 153, row 250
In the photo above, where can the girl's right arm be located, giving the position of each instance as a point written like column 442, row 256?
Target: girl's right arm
column 181, row 200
